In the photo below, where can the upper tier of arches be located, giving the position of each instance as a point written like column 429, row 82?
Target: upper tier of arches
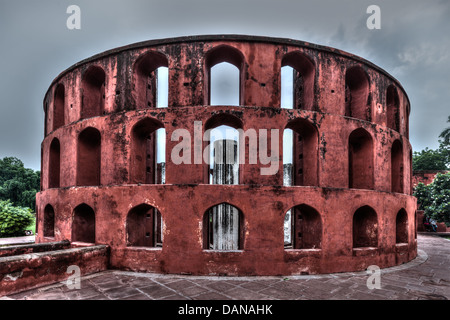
column 325, row 80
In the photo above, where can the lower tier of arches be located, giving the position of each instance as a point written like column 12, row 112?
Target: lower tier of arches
column 269, row 230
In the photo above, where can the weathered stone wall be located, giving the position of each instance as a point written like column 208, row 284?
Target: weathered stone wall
column 27, row 271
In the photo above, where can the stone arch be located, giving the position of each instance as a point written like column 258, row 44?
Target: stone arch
column 49, row 221
column 83, row 225
column 223, row 228
column 93, row 92
column 89, row 157
column 401, row 227
column 145, row 78
column 229, row 150
column 144, row 227
column 58, row 106
column 357, row 94
column 360, row 155
column 144, row 148
column 220, row 54
column 303, row 80
column 54, row 164
column 397, row 167
column 365, row 228
column 303, row 228
column 304, row 152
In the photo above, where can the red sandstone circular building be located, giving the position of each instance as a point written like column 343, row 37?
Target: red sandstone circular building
column 119, row 169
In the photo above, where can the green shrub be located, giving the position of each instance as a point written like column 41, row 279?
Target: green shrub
column 14, row 220
column 423, row 194
column 439, row 208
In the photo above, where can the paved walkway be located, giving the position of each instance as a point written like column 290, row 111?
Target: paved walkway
column 425, row 278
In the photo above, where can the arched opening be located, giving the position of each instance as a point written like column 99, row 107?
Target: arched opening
column 224, row 88
column 223, row 228
column 302, row 228
column 54, row 164
column 224, row 82
column 49, row 221
column 150, row 77
column 397, row 167
column 301, row 80
column 89, row 157
column 357, row 94
column 401, row 227
column 360, row 150
column 144, row 227
column 365, row 228
column 58, row 106
column 287, row 87
column 93, row 92
column 162, row 87
column 224, row 155
column 223, row 143
column 393, row 108
column 83, row 227
column 300, row 146
column 147, row 164
column 160, row 156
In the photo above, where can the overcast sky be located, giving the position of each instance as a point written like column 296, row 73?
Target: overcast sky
column 413, row 45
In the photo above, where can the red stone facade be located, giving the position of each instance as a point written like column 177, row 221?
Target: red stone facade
column 350, row 198
column 424, row 176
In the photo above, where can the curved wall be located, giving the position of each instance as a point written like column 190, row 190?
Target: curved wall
column 352, row 118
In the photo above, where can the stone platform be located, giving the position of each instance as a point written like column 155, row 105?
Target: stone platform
column 425, row 278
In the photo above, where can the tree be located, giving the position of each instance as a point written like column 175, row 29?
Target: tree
column 438, row 159
column 17, row 183
column 434, row 198
column 429, row 159
column 423, row 194
column 444, row 146
column 439, row 207
column 14, row 220
column 446, row 135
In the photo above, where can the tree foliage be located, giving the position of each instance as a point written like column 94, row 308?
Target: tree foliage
column 423, row 194
column 439, row 208
column 434, row 198
column 429, row 159
column 14, row 220
column 445, row 135
column 17, row 183
column 439, row 159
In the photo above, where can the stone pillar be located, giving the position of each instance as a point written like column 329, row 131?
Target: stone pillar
column 226, row 164
column 287, row 181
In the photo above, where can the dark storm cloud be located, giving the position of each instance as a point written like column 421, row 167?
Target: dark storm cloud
column 36, row 46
